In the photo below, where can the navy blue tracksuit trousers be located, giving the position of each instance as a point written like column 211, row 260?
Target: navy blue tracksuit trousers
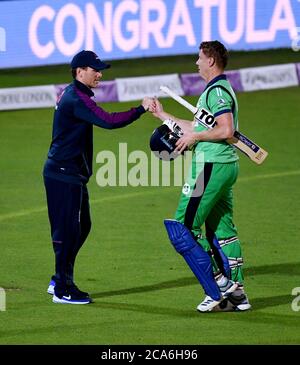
column 69, row 216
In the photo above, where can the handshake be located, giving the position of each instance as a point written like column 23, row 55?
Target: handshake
column 154, row 106
column 151, row 104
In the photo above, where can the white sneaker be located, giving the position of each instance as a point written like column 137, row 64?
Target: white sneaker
column 241, row 302
column 51, row 287
column 71, row 299
column 208, row 304
column 233, row 304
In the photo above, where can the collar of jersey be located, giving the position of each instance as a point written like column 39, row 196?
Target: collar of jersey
column 215, row 79
column 85, row 89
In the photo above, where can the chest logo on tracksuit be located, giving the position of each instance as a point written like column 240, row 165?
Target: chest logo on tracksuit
column 205, row 118
column 186, row 189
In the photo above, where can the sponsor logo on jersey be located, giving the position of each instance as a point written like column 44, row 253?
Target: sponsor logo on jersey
column 205, row 118
column 186, row 189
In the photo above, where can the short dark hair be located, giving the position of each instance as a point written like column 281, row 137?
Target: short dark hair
column 216, row 50
column 73, row 71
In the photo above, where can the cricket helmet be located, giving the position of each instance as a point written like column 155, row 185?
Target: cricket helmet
column 163, row 142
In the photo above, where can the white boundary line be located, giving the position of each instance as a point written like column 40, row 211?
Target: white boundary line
column 23, row 213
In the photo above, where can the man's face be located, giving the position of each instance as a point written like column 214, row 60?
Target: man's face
column 89, row 76
column 203, row 64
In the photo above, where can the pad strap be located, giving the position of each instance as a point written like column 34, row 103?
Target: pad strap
column 220, row 258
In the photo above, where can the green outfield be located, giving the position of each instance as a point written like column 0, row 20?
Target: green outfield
column 143, row 291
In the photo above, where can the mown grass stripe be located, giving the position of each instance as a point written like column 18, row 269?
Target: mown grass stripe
column 26, row 212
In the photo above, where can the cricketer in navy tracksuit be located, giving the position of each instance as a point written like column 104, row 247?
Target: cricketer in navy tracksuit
column 68, row 169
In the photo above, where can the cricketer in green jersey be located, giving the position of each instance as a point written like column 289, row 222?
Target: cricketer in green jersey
column 207, row 197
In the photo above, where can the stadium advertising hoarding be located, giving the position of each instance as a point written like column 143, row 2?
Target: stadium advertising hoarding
column 135, row 88
column 269, row 77
column 43, row 96
column 50, row 32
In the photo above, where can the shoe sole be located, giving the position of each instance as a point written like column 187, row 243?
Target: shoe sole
column 50, row 291
column 57, row 300
column 230, row 307
column 243, row 307
column 210, row 307
column 51, row 287
column 240, row 308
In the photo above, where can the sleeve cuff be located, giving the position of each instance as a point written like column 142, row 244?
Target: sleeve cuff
column 141, row 110
column 222, row 112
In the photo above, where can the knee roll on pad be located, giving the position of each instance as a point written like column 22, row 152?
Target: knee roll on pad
column 197, row 259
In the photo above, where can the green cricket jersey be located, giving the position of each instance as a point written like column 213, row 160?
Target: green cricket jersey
column 218, row 98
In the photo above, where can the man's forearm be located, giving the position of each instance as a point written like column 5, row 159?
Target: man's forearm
column 185, row 125
column 218, row 133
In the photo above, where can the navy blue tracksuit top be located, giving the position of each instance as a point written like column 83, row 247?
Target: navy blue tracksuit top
column 70, row 156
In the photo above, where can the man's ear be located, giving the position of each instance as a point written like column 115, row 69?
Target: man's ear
column 79, row 71
column 211, row 61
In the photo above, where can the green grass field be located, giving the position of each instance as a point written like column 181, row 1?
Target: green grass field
column 143, row 291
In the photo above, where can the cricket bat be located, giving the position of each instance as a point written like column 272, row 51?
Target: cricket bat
column 205, row 118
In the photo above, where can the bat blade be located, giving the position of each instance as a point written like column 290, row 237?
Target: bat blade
column 240, row 141
column 249, row 148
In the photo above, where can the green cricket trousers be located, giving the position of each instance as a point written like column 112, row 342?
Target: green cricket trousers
column 206, row 209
